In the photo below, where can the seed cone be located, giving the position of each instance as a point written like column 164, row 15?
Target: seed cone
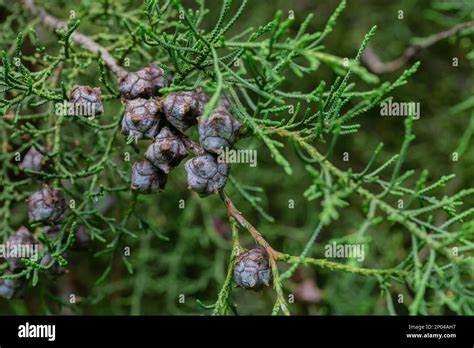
column 167, row 151
column 56, row 269
column 252, row 269
column 143, row 83
column 146, row 178
column 20, row 240
column 218, row 131
column 206, row 175
column 87, row 97
column 46, row 205
column 141, row 119
column 181, row 109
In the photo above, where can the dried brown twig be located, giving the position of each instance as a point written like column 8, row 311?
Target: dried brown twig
column 376, row 65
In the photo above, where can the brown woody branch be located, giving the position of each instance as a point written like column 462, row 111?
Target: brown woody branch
column 54, row 23
column 273, row 255
column 237, row 215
